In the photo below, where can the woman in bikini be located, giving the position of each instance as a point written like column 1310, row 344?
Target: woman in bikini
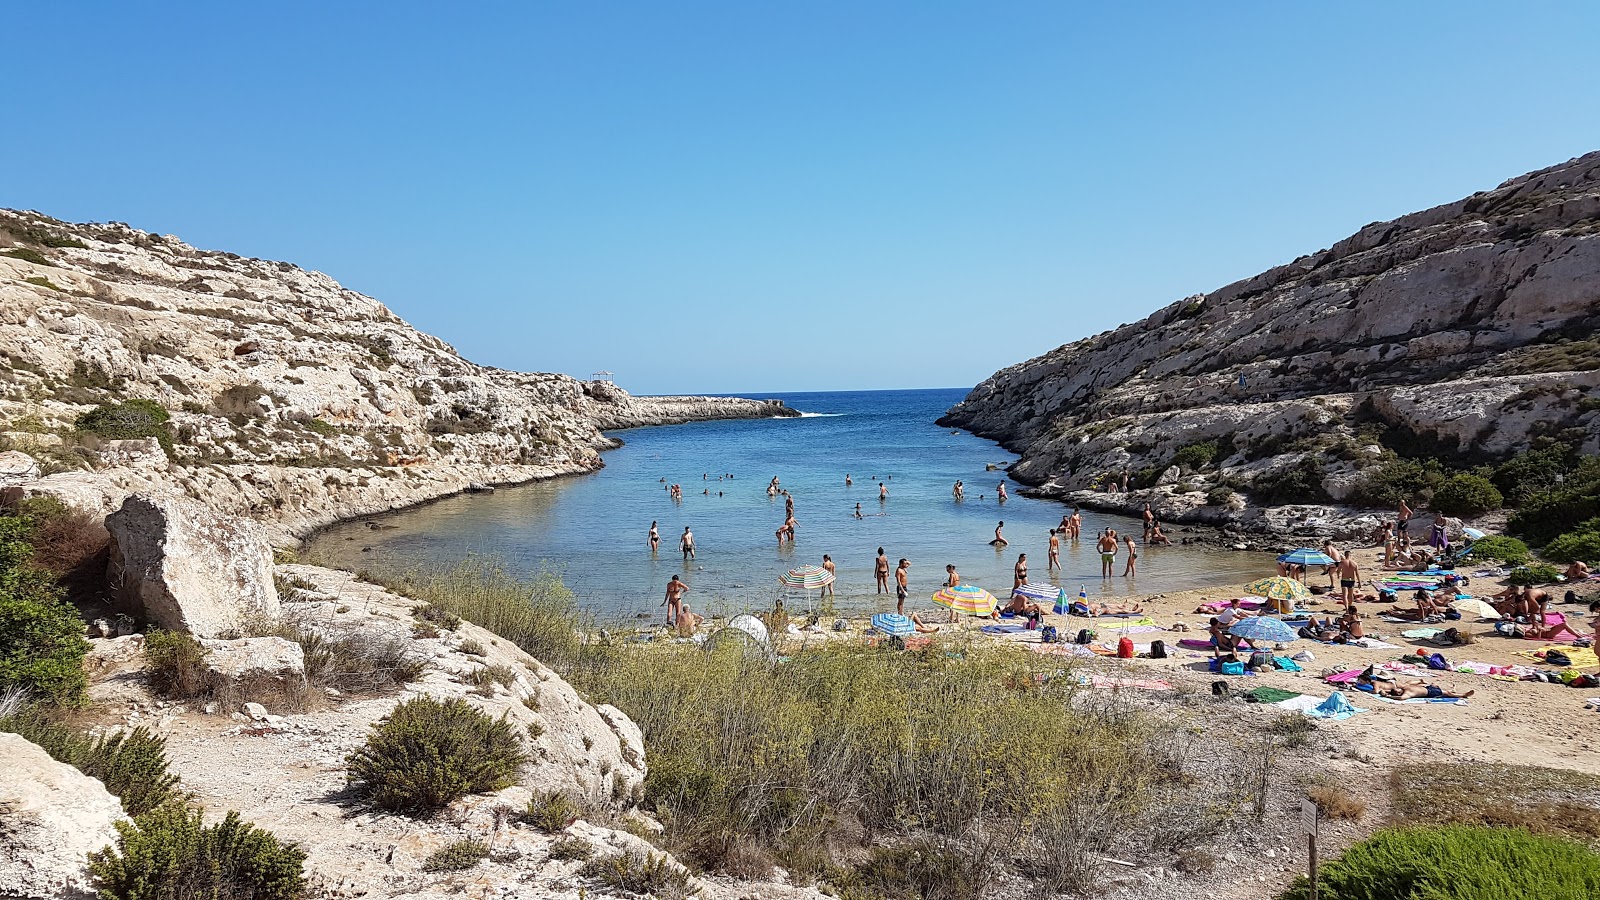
column 655, row 538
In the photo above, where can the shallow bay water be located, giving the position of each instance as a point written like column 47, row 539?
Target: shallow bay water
column 591, row 529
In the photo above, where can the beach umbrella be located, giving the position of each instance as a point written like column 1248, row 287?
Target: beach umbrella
column 806, row 577
column 745, row 631
column 1305, row 556
column 1041, row 593
column 1264, row 629
column 1473, row 533
column 1063, row 607
column 1278, row 588
column 893, row 623
column 1472, row 606
column 968, row 598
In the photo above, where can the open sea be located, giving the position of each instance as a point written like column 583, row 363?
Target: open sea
column 592, row 529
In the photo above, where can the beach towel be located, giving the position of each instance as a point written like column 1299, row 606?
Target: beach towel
column 1061, row 650
column 1195, row 643
column 1144, row 684
column 1120, row 630
column 1300, row 704
column 1002, row 629
column 1344, row 677
column 1458, row 701
column 1557, row 619
column 1269, row 695
column 1370, row 643
column 1286, row 664
column 1128, row 620
column 1582, row 657
column 1337, row 706
column 1421, row 634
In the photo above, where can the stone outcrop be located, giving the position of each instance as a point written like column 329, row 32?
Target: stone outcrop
column 51, row 817
column 293, row 400
column 182, row 566
column 251, row 661
column 1465, row 331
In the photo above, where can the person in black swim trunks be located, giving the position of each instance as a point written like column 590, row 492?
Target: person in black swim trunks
column 900, row 574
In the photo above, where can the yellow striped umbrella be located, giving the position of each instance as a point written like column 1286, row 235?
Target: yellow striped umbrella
column 1278, row 588
column 807, row 577
column 968, row 598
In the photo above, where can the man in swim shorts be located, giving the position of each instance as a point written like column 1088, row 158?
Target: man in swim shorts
column 1349, row 576
column 686, row 544
column 900, row 573
column 1107, row 545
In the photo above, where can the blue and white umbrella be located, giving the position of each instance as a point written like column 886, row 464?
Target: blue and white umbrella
column 1041, row 593
column 893, row 623
column 1473, row 533
column 1305, row 556
column 1263, row 629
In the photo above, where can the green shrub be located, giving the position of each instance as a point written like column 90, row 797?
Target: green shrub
column 1458, row 862
column 551, row 811
column 571, row 848
column 43, row 282
column 27, row 254
column 1299, row 482
column 175, row 664
column 1539, row 573
column 128, row 420
column 1466, row 495
column 1534, row 472
column 1581, row 544
column 430, row 752
column 638, row 872
column 541, row 616
column 1495, row 547
column 456, row 857
column 169, row 854
column 318, row 426
column 1196, row 456
column 1220, row 495
column 1393, row 480
column 41, row 634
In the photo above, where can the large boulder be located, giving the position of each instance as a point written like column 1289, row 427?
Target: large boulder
column 254, row 660
column 51, row 817
column 17, row 468
column 186, row 568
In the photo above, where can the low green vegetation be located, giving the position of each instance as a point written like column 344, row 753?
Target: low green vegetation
column 27, row 254
column 1498, row 548
column 128, row 419
column 550, row 811
column 170, row 854
column 456, row 857
column 1196, row 456
column 429, row 752
column 1458, row 862
column 638, row 872
column 1299, row 482
column 1464, row 494
column 1580, row 544
column 1559, row 802
column 41, row 281
column 1538, row 573
column 541, row 616
column 41, row 634
column 131, row 764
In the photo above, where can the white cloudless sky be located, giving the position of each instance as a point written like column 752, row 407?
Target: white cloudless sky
column 735, row 197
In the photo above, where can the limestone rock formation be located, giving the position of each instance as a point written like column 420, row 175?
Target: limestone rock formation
column 1468, row 331
column 292, row 399
column 51, row 817
column 254, row 660
column 186, row 568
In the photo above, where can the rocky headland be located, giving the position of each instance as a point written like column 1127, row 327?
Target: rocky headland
column 1466, row 333
column 288, row 398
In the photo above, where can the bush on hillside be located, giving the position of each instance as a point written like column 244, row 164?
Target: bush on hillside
column 169, row 854
column 541, row 616
column 131, row 764
column 1583, row 543
column 1466, row 495
column 1534, row 472
column 1545, row 517
column 456, row 857
column 1539, row 573
column 127, row 420
column 1393, row 480
column 175, row 663
column 639, row 872
column 41, row 634
column 1299, row 482
column 1196, row 456
column 430, row 752
column 1458, row 862
column 1496, row 548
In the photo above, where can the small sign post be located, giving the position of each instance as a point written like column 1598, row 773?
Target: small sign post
column 1308, row 824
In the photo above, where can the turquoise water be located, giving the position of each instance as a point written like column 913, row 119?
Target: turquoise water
column 592, row 529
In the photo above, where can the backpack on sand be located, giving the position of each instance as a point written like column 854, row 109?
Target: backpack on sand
column 1158, row 649
column 1083, row 636
column 1048, row 635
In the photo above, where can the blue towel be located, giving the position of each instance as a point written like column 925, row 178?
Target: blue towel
column 1335, row 707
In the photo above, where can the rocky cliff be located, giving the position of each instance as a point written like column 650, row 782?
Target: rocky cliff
column 291, row 399
column 1466, row 331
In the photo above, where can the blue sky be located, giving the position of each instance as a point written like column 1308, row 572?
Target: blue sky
column 721, row 197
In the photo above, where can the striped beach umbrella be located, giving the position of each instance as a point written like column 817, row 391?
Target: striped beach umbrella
column 1041, row 593
column 894, row 623
column 1305, row 556
column 1278, row 588
column 968, row 598
column 1265, row 629
column 806, row 577
column 1063, row 607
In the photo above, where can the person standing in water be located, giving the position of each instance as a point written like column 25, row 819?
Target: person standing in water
column 959, row 492
column 883, row 491
column 1077, row 523
column 900, row 573
column 1055, row 551
column 858, row 511
column 655, row 538
column 880, row 571
column 674, row 602
column 1000, row 492
column 1149, row 522
column 1019, row 572
column 847, row 481
column 686, row 544
column 831, row 569
column 1107, row 545
column 999, row 541
column 1133, row 558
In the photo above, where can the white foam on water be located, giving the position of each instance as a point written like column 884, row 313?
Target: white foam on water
column 811, row 415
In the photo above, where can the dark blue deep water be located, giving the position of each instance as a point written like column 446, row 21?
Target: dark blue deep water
column 592, row 529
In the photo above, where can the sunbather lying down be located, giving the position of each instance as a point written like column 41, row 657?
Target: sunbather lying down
column 1079, row 608
column 921, row 627
column 1419, row 689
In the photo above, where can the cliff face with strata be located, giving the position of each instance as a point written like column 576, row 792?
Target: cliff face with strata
column 1470, row 330
column 292, row 399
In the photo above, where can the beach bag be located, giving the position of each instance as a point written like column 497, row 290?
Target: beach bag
column 1233, row 668
column 1448, row 637
column 1084, row 636
column 1437, row 661
column 1158, row 649
column 1583, row 681
column 1556, row 658
column 1125, row 648
column 1032, row 623
column 1219, row 689
column 1048, row 635
column 1260, row 659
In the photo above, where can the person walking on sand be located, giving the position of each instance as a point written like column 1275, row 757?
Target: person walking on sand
column 1107, row 545
column 952, row 579
column 674, row 602
column 686, row 544
column 1019, row 572
column 1402, row 519
column 880, row 571
column 999, row 542
column 900, row 573
column 831, row 569
column 655, row 538
column 1349, row 577
column 1054, row 561
column 1133, row 558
